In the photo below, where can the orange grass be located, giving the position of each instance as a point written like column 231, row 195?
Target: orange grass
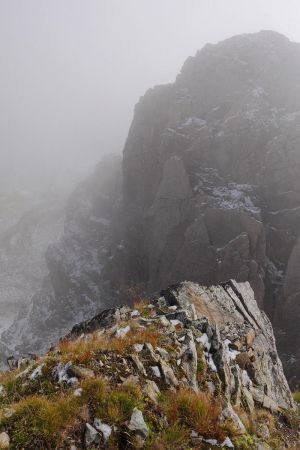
column 195, row 410
column 83, row 350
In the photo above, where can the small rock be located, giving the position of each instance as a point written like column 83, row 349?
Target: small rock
column 247, row 400
column 151, row 390
column 189, row 360
column 138, row 364
column 138, row 347
column 270, row 404
column 229, row 413
column 77, row 392
column 2, row 391
column 105, row 429
column 164, row 321
column 8, row 412
column 138, row 424
column 168, row 373
column 211, row 441
column 175, row 322
column 148, row 351
column 257, row 394
column 262, row 430
column 132, row 379
column 172, row 308
column 4, row 440
column 80, row 372
column 227, row 443
column 91, row 436
column 163, row 353
column 161, row 301
column 135, row 313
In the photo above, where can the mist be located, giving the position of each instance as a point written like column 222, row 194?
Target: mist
column 72, row 71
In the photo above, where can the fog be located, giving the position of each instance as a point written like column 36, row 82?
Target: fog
column 72, row 70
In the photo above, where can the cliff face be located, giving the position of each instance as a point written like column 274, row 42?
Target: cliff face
column 211, row 185
column 195, row 368
column 210, row 192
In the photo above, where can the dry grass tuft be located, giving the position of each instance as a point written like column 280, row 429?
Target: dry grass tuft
column 175, row 437
column 37, row 421
column 198, row 411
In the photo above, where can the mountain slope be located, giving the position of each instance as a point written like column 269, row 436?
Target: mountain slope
column 210, row 191
column 195, row 369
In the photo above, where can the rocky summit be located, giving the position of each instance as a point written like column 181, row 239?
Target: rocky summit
column 197, row 367
column 208, row 190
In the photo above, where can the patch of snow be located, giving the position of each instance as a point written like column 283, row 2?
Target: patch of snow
column 290, row 117
column 175, row 322
column 156, row 371
column 61, row 373
column 36, row 373
column 230, row 355
column 204, row 341
column 121, row 332
column 245, row 379
column 105, row 429
column 235, row 196
column 101, row 221
column 194, row 122
column 211, row 363
column 258, row 91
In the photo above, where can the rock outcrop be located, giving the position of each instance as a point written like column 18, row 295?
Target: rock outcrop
column 194, row 368
column 236, row 336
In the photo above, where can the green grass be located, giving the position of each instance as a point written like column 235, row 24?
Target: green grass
column 296, row 396
column 38, row 420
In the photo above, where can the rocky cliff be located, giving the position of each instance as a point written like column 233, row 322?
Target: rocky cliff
column 197, row 368
column 211, row 187
column 210, row 192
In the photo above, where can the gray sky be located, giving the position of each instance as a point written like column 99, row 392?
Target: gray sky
column 72, row 70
